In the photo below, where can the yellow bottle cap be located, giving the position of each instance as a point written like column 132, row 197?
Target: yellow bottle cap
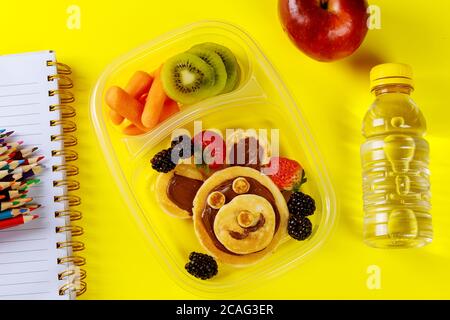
column 391, row 73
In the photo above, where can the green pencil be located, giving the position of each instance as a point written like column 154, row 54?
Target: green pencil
column 14, row 204
column 11, row 164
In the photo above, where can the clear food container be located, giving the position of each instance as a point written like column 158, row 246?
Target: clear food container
column 260, row 101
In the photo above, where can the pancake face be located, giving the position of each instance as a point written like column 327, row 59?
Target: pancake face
column 246, row 224
column 176, row 190
column 249, row 224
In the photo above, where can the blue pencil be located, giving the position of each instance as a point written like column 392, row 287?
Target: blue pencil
column 7, row 165
column 11, row 213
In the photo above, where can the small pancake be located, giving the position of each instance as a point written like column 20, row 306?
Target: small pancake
column 161, row 185
column 236, row 237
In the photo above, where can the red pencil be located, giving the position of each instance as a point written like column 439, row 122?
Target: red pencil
column 17, row 221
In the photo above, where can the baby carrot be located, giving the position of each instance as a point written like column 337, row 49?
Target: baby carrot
column 170, row 108
column 132, row 130
column 124, row 104
column 116, row 118
column 155, row 102
column 138, row 84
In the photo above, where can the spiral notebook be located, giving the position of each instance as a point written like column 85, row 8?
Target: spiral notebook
column 40, row 259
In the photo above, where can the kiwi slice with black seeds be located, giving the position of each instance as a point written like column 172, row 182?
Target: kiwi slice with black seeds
column 230, row 62
column 187, row 79
column 215, row 61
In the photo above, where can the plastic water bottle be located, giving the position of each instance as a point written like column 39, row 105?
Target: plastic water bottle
column 395, row 157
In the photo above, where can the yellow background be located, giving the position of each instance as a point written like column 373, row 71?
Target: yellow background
column 333, row 98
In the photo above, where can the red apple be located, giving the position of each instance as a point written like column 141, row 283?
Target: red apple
column 325, row 30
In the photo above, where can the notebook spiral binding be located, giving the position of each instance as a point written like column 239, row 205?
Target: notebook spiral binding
column 74, row 277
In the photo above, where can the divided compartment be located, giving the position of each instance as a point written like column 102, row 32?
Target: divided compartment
column 260, row 102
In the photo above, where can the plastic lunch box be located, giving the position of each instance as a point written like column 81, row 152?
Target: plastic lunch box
column 261, row 101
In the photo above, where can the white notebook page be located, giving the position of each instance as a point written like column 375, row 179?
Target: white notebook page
column 28, row 253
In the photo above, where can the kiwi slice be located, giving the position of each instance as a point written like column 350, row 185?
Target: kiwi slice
column 238, row 76
column 230, row 62
column 187, row 79
column 215, row 61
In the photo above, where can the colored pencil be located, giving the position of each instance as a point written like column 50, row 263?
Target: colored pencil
column 11, row 164
column 5, row 194
column 4, row 173
column 6, row 148
column 18, row 185
column 17, row 221
column 31, row 207
column 4, row 164
column 9, row 184
column 24, row 185
column 31, row 173
column 21, row 175
column 17, row 171
column 23, row 168
column 7, row 156
column 20, row 154
column 32, row 160
column 11, row 213
column 14, row 204
column 10, row 145
column 6, row 134
column 8, row 195
column 16, row 196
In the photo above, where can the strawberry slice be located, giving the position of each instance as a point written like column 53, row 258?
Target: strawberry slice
column 215, row 148
column 287, row 174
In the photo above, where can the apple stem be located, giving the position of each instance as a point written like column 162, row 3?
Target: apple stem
column 324, row 4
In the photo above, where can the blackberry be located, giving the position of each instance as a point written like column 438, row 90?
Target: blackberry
column 180, row 144
column 301, row 204
column 201, row 266
column 179, row 139
column 162, row 161
column 299, row 228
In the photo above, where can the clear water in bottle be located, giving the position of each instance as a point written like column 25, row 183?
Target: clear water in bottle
column 395, row 158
